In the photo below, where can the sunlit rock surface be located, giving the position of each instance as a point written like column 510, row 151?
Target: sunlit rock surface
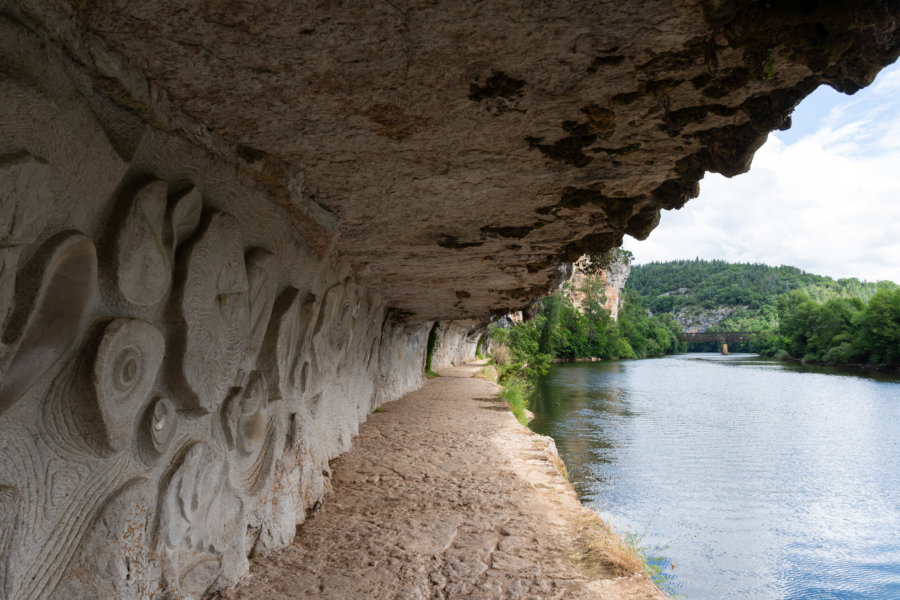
column 225, row 230
column 601, row 276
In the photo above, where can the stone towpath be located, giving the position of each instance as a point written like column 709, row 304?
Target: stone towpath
column 444, row 495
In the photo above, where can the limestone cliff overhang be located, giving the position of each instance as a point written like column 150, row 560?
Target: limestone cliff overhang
column 456, row 154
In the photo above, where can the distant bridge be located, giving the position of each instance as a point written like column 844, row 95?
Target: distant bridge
column 726, row 337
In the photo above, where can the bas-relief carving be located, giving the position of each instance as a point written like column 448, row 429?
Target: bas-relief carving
column 107, row 418
column 216, row 311
column 46, row 320
column 284, row 355
column 112, row 422
column 25, row 190
column 253, row 428
column 158, row 428
column 199, row 531
column 115, row 558
column 143, row 257
column 10, row 502
column 161, row 372
column 339, row 310
column 125, row 368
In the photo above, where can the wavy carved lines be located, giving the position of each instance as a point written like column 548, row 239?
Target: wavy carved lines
column 334, row 326
column 70, row 425
column 199, row 520
column 184, row 215
column 114, row 559
column 94, row 431
column 244, row 349
column 25, row 189
column 125, row 368
column 93, row 403
column 216, row 311
column 143, row 256
column 148, row 225
column 63, row 491
column 252, row 427
column 10, row 504
column 40, row 576
column 158, row 428
column 262, row 286
column 45, row 328
column 284, row 346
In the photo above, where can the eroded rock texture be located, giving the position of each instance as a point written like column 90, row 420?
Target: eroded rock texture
column 226, row 227
column 601, row 278
column 178, row 364
column 456, row 153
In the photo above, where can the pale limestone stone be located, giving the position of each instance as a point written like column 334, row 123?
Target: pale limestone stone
column 48, row 319
column 171, row 401
column 143, row 256
column 125, row 368
column 210, row 273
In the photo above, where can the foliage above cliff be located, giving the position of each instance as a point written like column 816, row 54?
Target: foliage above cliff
column 840, row 330
column 560, row 330
column 756, row 297
column 708, row 284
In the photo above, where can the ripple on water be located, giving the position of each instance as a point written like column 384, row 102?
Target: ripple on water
column 759, row 480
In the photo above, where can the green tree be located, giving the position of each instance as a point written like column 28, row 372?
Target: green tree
column 878, row 329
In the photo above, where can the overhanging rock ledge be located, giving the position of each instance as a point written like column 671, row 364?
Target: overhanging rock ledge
column 455, row 153
column 226, row 229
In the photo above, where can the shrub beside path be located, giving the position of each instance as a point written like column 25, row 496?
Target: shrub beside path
column 445, row 495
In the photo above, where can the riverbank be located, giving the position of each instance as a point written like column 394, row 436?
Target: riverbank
column 849, row 368
column 728, row 470
column 445, row 495
column 575, row 360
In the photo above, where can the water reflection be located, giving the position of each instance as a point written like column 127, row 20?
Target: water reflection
column 764, row 480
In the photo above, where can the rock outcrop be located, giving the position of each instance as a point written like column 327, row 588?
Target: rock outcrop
column 455, row 155
column 225, row 230
column 611, row 271
column 700, row 320
column 178, row 363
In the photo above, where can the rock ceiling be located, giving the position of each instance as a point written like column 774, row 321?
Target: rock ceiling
column 458, row 154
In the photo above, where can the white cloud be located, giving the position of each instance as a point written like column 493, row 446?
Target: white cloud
column 828, row 203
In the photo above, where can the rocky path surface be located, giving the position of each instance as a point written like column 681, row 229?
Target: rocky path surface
column 444, row 495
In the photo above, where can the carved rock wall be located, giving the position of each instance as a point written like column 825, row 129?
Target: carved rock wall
column 457, row 342
column 177, row 364
column 206, row 211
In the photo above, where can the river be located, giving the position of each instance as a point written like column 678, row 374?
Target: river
column 755, row 479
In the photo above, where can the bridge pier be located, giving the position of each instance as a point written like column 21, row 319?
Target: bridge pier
column 724, row 348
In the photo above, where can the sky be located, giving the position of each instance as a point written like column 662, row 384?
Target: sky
column 823, row 196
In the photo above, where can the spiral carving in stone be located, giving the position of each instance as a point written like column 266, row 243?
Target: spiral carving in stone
column 158, row 428
column 128, row 359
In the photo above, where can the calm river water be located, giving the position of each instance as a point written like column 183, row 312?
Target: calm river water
column 757, row 479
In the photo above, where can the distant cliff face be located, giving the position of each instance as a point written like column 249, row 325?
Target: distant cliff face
column 226, row 227
column 698, row 320
column 603, row 276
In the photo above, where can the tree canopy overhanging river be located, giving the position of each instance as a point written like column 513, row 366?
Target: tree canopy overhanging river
column 754, row 478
